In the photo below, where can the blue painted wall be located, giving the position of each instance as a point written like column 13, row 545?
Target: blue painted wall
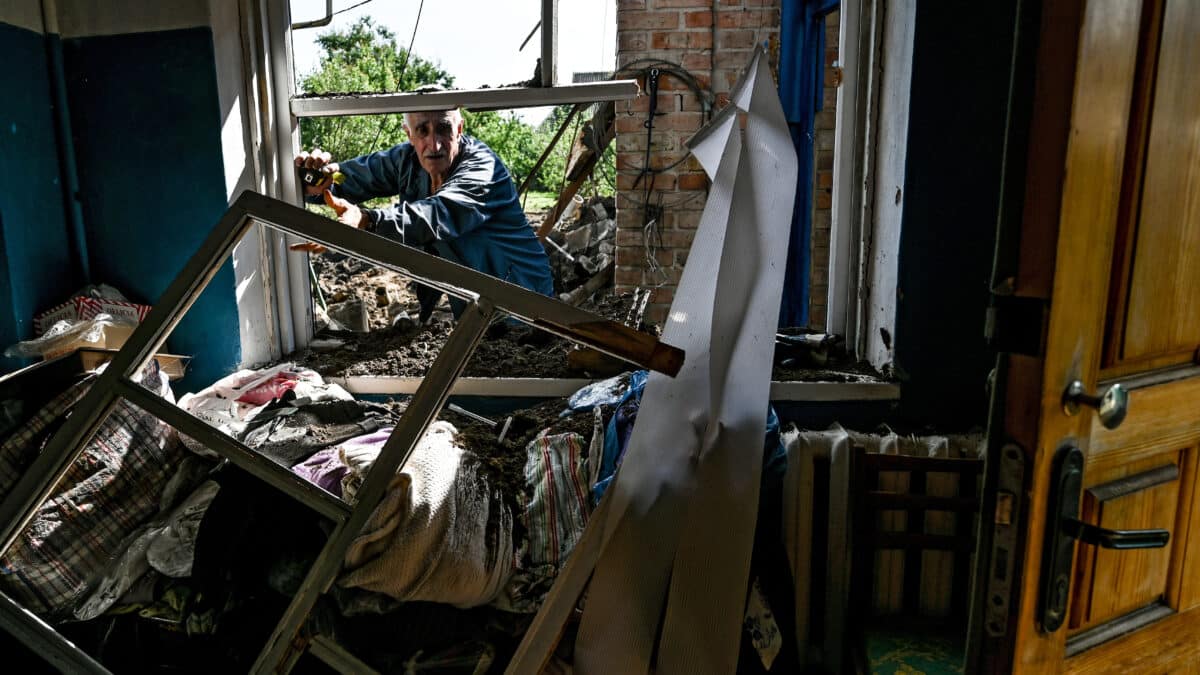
column 37, row 264
column 144, row 127
column 146, row 130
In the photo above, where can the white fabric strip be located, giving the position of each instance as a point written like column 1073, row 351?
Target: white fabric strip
column 685, row 502
column 707, row 600
column 649, row 498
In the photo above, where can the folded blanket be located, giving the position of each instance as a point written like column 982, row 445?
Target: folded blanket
column 441, row 533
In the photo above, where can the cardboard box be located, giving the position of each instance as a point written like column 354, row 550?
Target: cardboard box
column 82, row 307
column 172, row 364
column 113, row 336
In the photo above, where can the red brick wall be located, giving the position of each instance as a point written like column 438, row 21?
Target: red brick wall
column 680, row 31
column 823, row 129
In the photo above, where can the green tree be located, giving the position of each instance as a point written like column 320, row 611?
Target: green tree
column 510, row 138
column 366, row 59
column 363, row 59
column 551, row 176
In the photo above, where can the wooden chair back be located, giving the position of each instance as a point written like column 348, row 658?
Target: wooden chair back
column 915, row 523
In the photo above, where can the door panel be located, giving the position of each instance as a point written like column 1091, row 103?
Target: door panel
column 1184, row 585
column 1090, row 186
column 1162, row 319
column 1124, row 301
column 1173, row 646
column 1166, row 414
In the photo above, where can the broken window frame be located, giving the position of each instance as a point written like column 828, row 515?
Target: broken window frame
column 274, row 293
column 486, row 297
column 274, row 296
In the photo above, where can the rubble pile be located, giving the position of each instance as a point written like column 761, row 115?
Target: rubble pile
column 583, row 247
column 359, row 296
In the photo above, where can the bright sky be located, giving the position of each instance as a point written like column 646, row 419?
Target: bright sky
column 476, row 41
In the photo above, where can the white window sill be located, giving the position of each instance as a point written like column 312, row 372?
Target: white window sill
column 554, row 387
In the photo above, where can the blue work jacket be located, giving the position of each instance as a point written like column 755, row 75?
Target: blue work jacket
column 474, row 219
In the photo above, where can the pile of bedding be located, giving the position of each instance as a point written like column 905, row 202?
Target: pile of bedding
column 153, row 524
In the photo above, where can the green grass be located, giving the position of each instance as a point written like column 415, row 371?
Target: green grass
column 539, row 201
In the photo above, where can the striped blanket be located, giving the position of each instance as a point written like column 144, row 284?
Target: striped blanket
column 114, row 486
column 556, row 473
column 557, row 478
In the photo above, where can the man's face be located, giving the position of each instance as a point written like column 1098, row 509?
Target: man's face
column 435, row 136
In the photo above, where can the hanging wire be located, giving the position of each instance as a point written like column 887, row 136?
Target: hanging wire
column 411, row 40
column 347, row 9
column 650, row 233
column 651, row 202
column 705, row 97
column 403, row 67
column 684, row 200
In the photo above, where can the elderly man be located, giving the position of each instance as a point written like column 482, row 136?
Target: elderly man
column 457, row 200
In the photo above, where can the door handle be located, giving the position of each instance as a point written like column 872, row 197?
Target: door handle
column 1063, row 528
column 1111, row 406
column 1117, row 539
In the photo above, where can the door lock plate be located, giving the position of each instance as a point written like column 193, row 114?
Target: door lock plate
column 1063, row 528
column 1009, row 487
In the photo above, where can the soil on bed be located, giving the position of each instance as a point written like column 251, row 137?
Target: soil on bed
column 504, row 460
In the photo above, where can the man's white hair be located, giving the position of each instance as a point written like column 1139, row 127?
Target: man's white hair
column 432, row 88
column 454, row 113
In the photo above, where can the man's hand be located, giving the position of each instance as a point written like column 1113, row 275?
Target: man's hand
column 321, row 161
column 308, row 247
column 347, row 214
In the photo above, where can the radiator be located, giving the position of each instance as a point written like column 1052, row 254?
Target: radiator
column 818, row 526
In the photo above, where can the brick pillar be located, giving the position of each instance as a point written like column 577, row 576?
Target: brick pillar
column 682, row 32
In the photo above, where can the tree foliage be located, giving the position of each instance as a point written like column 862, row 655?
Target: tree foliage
column 513, row 140
column 553, row 174
column 363, row 59
column 366, row 59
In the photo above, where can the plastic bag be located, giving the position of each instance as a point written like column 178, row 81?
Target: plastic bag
column 63, row 333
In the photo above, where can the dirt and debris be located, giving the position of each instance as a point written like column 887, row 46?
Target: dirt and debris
column 382, row 292
column 507, row 351
column 503, row 461
column 584, row 245
column 387, row 342
column 516, row 351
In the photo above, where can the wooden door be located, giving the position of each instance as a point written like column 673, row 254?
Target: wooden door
column 1110, row 246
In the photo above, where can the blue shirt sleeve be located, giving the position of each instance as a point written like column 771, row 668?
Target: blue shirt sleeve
column 379, row 174
column 475, row 219
column 462, row 205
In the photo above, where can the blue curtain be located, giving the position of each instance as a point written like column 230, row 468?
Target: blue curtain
column 801, row 80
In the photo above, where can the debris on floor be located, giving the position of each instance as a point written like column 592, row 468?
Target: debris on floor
column 372, row 335
column 474, row 532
